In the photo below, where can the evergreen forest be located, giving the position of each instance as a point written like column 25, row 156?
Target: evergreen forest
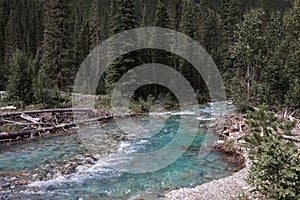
column 255, row 45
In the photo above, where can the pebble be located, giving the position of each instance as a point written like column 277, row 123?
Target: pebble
column 34, row 176
column 24, row 182
column 5, row 185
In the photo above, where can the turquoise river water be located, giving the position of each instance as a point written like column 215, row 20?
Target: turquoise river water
column 102, row 180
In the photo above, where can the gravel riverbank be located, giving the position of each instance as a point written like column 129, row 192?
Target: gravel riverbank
column 228, row 188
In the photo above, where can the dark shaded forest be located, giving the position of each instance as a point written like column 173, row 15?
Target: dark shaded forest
column 255, row 44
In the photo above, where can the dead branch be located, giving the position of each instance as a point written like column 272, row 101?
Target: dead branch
column 30, row 119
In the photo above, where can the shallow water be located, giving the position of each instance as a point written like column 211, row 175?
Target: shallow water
column 106, row 179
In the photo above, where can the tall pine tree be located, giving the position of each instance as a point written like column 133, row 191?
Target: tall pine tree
column 54, row 73
column 291, row 44
column 95, row 24
column 231, row 15
column 19, row 85
column 124, row 19
column 252, row 52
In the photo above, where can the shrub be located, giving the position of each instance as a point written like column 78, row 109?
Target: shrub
column 275, row 162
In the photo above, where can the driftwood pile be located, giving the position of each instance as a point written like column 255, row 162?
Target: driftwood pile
column 28, row 124
column 41, row 122
column 231, row 126
column 295, row 134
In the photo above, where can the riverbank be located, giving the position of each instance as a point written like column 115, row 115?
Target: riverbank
column 27, row 126
column 231, row 128
column 228, row 188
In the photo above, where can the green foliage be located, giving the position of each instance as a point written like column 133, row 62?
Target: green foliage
column 258, row 34
column 242, row 106
column 267, row 58
column 142, row 105
column 231, row 15
column 275, row 171
column 257, row 53
column 47, row 97
column 56, row 53
column 175, row 12
column 275, row 162
column 20, row 78
column 9, row 128
column 187, row 24
column 95, row 23
column 124, row 19
column 291, row 54
column 292, row 97
column 103, row 102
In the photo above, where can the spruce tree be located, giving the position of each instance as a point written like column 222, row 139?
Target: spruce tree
column 54, row 72
column 211, row 37
column 97, row 35
column 292, row 96
column 19, row 85
column 144, row 19
column 230, row 16
column 161, row 16
column 114, row 17
column 124, row 19
column 175, row 10
column 291, row 48
column 55, row 47
column 203, row 15
column 188, row 27
column 258, row 37
column 162, row 21
column 11, row 36
column 3, row 21
column 95, row 23
column 187, row 24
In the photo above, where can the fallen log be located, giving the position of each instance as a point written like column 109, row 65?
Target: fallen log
column 13, row 123
column 35, row 132
column 45, row 111
column 23, row 133
column 8, row 108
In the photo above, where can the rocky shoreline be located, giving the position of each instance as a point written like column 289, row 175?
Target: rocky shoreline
column 11, row 182
column 231, row 128
column 14, row 182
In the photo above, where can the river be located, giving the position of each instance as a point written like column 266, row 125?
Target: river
column 104, row 178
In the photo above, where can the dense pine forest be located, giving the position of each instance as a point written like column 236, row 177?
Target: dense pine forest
column 255, row 44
